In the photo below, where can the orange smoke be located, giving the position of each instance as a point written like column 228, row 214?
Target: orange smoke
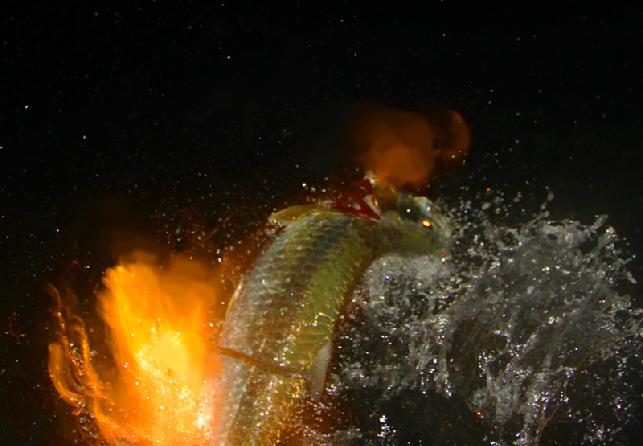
column 158, row 334
column 402, row 148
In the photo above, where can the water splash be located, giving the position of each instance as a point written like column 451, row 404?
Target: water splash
column 523, row 333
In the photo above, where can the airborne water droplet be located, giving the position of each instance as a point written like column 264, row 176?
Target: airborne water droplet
column 521, row 313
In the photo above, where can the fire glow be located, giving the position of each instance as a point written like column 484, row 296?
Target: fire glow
column 403, row 148
column 158, row 335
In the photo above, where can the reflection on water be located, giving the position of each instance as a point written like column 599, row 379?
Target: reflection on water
column 524, row 334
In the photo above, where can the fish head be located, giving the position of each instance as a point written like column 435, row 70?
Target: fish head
column 417, row 224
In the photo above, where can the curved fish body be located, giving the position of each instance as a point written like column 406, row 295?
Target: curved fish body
column 276, row 338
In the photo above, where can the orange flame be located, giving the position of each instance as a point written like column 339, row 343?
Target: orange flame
column 402, row 148
column 158, row 337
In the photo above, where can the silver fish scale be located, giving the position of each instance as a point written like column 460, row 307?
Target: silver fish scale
column 285, row 310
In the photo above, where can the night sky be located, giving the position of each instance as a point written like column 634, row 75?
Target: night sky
column 147, row 116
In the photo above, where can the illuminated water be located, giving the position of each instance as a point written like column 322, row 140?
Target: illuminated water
column 523, row 334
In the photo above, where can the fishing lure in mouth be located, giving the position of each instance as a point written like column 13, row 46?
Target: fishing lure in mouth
column 276, row 340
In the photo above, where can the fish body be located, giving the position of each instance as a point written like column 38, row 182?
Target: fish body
column 282, row 317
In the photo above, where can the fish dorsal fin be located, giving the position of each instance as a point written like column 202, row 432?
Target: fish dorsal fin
column 290, row 214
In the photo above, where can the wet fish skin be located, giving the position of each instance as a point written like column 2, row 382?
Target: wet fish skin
column 284, row 311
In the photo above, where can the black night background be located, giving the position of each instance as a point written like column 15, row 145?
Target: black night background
column 172, row 119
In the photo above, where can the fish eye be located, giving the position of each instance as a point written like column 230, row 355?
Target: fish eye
column 426, row 223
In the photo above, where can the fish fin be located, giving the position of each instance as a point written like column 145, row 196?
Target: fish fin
column 290, row 214
column 319, row 370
